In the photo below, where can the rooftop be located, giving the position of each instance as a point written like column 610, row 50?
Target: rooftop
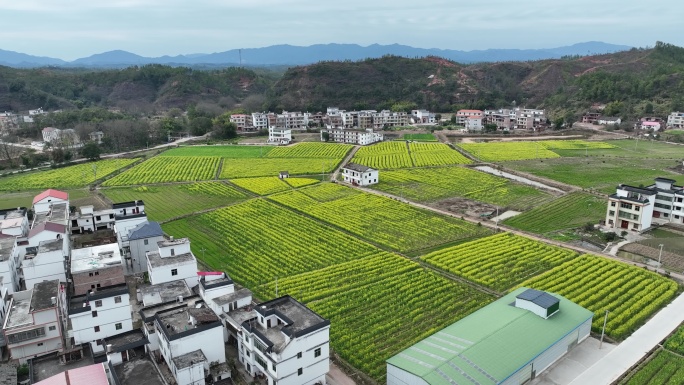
column 52, row 194
column 172, row 242
column 19, row 314
column 96, row 257
column 177, row 321
column 47, row 226
column 157, row 261
column 539, row 298
column 128, row 204
column 139, row 370
column 13, row 213
column 124, row 341
column 489, row 345
column 6, row 247
column 164, row 292
column 51, row 245
column 232, row 297
column 211, row 283
column 87, row 375
column 144, row 230
column 357, row 167
column 189, row 359
column 43, row 292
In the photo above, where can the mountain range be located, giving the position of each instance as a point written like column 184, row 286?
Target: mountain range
column 289, row 55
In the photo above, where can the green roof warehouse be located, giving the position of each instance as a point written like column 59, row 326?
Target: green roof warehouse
column 508, row 341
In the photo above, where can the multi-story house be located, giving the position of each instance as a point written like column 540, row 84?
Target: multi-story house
column 47, row 261
column 260, row 120
column 43, row 201
column 351, row 136
column 279, row 135
column 669, row 200
column 172, row 261
column 132, row 208
column 99, row 314
column 463, row 115
column 630, row 208
column 242, row 121
column 364, row 119
column 473, row 123
column 222, row 295
column 33, row 325
column 88, row 220
column 675, row 120
column 501, row 118
column 142, row 239
column 529, row 118
column 292, row 120
column 8, row 260
column 95, row 267
column 286, row 342
column 359, row 175
column 14, row 222
column 422, row 116
column 590, row 117
column 386, row 118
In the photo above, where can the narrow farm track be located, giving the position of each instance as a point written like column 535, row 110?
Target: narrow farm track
column 344, row 161
column 220, row 168
column 408, row 149
column 456, row 278
column 508, row 229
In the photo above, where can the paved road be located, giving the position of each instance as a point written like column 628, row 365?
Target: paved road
column 634, row 348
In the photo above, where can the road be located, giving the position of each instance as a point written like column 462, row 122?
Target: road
column 634, row 348
column 346, row 160
column 165, row 145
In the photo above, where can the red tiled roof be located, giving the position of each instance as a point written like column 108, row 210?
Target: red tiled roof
column 48, row 129
column 51, row 193
column 87, row 375
column 470, row 111
column 48, row 226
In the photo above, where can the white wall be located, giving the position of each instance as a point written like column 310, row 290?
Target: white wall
column 192, row 375
column 43, row 205
column 186, row 271
column 139, row 250
column 44, row 267
column 108, row 315
column 7, row 275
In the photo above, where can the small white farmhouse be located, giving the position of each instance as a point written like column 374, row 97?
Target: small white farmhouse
column 359, row 175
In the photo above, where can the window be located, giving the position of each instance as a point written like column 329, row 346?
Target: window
column 637, row 208
column 97, row 273
column 317, row 352
column 98, row 342
column 248, row 355
column 118, row 326
column 300, row 371
column 98, row 303
column 117, row 299
column 90, row 274
column 625, row 205
column 174, row 271
column 173, row 252
column 97, row 329
column 94, row 313
column 51, row 328
column 299, row 355
column 98, row 285
column 611, row 213
column 40, row 344
column 146, row 242
column 92, row 286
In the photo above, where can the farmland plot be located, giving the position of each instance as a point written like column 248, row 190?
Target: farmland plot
column 384, row 155
column 163, row 169
column 570, row 211
column 435, row 154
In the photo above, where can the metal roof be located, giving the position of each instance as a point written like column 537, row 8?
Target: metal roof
column 539, row 298
column 147, row 229
column 489, row 345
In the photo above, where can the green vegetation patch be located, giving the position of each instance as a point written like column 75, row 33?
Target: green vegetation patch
column 381, row 220
column 629, row 293
column 234, row 151
column 433, row 184
column 379, row 306
column 311, row 150
column 61, row 178
column 570, row 211
column 262, row 186
column 420, row 137
column 666, row 368
column 164, row 169
column 164, row 202
column 256, row 241
column 499, row 261
column 248, row 168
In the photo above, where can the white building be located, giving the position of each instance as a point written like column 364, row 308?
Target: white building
column 473, row 123
column 45, row 262
column 260, row 120
column 50, row 134
column 422, row 116
column 675, row 120
column 8, row 256
column 286, row 342
column 86, row 219
column 99, row 314
column 33, row 325
column 609, row 120
column 386, row 118
column 279, row 135
column 222, row 296
column 172, row 261
column 636, row 208
column 132, row 208
column 14, row 222
column 292, row 120
column 43, row 201
column 242, row 121
column 142, row 239
column 360, row 175
column 463, row 115
column 95, row 267
column 360, row 137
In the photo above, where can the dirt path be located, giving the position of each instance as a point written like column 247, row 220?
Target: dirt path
column 346, row 160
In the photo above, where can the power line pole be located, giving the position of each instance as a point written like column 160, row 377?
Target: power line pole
column 603, row 331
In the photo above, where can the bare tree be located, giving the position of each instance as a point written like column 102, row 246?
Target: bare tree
column 10, row 152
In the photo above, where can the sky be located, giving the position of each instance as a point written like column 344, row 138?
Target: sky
column 70, row 29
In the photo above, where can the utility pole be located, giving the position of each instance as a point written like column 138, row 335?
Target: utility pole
column 660, row 254
column 603, row 331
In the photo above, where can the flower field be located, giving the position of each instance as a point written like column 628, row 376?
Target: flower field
column 311, row 150
column 379, row 305
column 570, row 211
column 262, row 186
column 575, row 145
column 65, row 177
column 378, row 219
column 433, row 184
column 164, row 169
column 248, row 168
column 435, row 154
column 500, row 261
column 234, row 151
column 502, row 151
column 631, row 294
column 164, row 202
column 384, row 155
column 257, row 240
column 301, row 182
column 665, row 368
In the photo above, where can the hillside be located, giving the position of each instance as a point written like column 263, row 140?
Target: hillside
column 135, row 88
column 438, row 84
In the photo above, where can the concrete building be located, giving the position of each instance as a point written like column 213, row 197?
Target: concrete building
column 350, row 136
column 463, row 115
column 242, row 121
column 96, row 136
column 590, row 117
column 509, row 341
column 132, row 208
column 174, row 292
column 292, row 120
column 609, row 120
column 47, row 261
column 422, row 116
column 14, row 222
column 637, row 208
column 360, row 175
column 142, row 239
column 95, row 374
column 96, row 267
column 260, row 120
column 223, row 296
column 43, row 201
column 279, row 135
column 33, row 326
column 473, row 123
column 101, row 313
column 172, row 261
column 286, row 342
column 86, row 219
column 675, row 120
column 8, row 259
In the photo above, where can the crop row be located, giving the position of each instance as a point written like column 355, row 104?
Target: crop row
column 663, row 369
column 301, row 182
column 71, row 176
column 379, row 305
column 257, row 240
column 311, row 150
column 499, row 261
column 164, row 202
column 630, row 294
column 162, row 169
column 230, row 151
column 263, row 186
column 502, row 151
column 575, row 145
column 572, row 210
column 395, row 155
column 381, row 220
column 248, row 168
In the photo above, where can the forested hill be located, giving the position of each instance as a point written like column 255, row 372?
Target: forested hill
column 632, row 78
column 135, row 89
column 630, row 82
